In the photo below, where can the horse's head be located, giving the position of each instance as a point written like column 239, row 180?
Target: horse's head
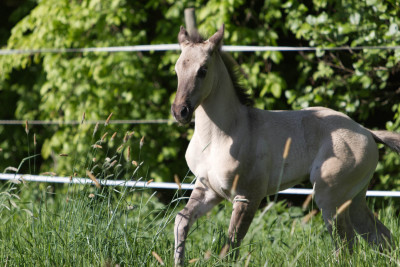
column 194, row 69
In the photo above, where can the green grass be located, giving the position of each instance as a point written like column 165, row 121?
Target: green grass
column 85, row 226
column 75, row 225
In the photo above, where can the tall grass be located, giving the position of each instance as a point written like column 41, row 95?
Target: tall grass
column 117, row 227
column 83, row 225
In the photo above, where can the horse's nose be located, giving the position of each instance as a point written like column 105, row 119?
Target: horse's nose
column 184, row 112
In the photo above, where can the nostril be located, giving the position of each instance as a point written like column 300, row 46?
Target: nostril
column 184, row 112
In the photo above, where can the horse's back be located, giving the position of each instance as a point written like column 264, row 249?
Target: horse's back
column 310, row 128
column 321, row 138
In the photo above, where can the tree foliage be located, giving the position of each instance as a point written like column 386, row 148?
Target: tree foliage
column 362, row 83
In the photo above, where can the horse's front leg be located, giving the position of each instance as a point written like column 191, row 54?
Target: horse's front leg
column 243, row 213
column 202, row 200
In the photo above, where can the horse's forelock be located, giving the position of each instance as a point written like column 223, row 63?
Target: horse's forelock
column 196, row 38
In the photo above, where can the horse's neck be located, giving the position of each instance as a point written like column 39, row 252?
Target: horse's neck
column 219, row 113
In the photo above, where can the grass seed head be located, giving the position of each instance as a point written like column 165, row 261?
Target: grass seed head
column 193, row 260
column 113, row 136
column 26, row 127
column 120, row 148
column 129, row 153
column 307, row 201
column 10, row 168
column 97, row 146
column 125, row 137
column 95, row 128
column 91, row 176
column 234, row 185
column 343, row 207
column 176, row 178
column 34, row 140
column 22, row 179
column 308, row 217
column 293, row 227
column 224, row 251
column 13, row 203
column 157, row 257
column 103, row 137
column 128, row 136
column 108, row 119
column 248, row 258
column 287, row 148
column 207, row 255
column 149, row 181
column 141, row 142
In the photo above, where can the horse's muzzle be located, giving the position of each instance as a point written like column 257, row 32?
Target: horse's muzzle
column 182, row 113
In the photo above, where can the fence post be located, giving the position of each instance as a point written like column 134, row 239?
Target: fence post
column 190, row 20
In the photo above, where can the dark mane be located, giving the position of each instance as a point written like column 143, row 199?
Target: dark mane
column 234, row 72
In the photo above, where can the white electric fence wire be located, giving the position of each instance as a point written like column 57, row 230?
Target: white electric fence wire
column 44, row 122
column 174, row 47
column 18, row 178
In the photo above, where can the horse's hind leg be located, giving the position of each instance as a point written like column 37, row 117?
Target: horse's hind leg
column 367, row 225
column 331, row 196
column 341, row 223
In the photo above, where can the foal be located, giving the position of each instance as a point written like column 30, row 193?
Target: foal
column 233, row 139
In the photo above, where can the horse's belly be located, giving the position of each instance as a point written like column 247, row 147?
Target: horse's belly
column 293, row 173
column 275, row 185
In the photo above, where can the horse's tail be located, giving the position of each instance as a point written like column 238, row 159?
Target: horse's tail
column 387, row 138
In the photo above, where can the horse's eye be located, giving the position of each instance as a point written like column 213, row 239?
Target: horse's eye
column 202, row 72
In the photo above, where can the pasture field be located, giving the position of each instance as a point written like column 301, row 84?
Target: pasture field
column 74, row 225
column 83, row 225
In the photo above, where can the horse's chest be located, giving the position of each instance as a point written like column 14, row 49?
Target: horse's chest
column 216, row 164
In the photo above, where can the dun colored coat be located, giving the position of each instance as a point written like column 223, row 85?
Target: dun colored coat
column 232, row 139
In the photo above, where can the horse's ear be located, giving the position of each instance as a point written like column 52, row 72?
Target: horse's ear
column 183, row 36
column 216, row 39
